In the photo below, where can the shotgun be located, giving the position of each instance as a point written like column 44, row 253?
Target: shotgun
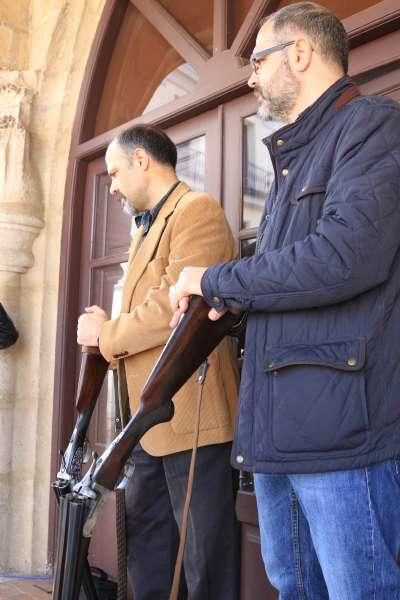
column 188, row 346
column 93, row 371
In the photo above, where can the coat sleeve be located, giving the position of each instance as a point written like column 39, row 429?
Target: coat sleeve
column 200, row 236
column 356, row 238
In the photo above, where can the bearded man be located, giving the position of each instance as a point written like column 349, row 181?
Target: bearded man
column 176, row 227
column 319, row 417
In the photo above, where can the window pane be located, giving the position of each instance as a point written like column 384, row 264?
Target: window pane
column 258, row 173
column 111, row 224
column 191, row 162
column 179, row 82
column 107, row 285
column 144, row 73
column 195, row 17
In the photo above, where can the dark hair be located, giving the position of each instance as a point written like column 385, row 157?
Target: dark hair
column 323, row 27
column 151, row 139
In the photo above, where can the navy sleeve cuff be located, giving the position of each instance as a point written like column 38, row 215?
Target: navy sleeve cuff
column 209, row 290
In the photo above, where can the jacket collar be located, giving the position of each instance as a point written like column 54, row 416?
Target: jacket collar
column 147, row 217
column 315, row 116
column 143, row 249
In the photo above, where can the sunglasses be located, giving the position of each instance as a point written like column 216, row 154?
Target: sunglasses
column 257, row 57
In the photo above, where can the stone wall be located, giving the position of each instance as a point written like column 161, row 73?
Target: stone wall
column 44, row 46
column 14, row 34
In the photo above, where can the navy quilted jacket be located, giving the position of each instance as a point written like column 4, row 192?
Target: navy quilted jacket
column 320, row 385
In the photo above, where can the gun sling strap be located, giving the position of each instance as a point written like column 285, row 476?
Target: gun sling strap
column 182, row 541
column 121, row 418
column 121, row 540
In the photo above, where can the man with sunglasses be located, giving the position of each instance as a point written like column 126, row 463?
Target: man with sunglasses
column 319, row 417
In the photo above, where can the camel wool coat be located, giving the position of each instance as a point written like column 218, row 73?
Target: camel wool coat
column 190, row 229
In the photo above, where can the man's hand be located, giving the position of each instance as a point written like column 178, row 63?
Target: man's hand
column 188, row 283
column 89, row 325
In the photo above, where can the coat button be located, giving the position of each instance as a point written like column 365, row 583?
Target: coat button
column 285, row 172
column 352, row 361
column 216, row 300
column 271, row 364
column 239, row 459
column 280, row 142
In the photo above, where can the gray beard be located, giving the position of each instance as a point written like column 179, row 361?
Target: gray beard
column 278, row 107
column 127, row 208
column 267, row 112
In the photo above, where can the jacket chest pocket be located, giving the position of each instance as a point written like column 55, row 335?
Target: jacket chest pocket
column 305, row 208
column 318, row 396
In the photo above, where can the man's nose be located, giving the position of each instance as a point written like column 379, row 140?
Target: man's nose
column 252, row 80
column 113, row 188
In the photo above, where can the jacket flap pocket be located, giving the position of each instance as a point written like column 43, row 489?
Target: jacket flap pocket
column 348, row 355
column 308, row 190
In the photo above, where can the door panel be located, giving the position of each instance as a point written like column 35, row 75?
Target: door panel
column 254, row 584
column 106, row 240
column 198, row 152
column 248, row 172
column 248, row 175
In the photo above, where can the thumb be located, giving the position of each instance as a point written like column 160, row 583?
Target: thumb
column 92, row 309
column 214, row 315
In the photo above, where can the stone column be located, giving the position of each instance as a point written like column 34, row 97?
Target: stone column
column 21, row 219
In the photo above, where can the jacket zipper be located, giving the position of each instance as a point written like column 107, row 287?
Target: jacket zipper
column 261, row 236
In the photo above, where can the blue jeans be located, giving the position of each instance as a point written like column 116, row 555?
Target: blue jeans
column 332, row 535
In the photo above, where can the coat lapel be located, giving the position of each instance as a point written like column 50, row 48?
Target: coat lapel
column 141, row 254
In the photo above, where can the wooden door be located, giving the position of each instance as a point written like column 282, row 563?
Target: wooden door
column 105, row 244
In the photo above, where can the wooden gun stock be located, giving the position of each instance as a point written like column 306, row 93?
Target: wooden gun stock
column 93, row 370
column 91, row 376
column 187, row 347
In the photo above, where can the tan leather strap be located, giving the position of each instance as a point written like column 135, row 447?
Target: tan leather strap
column 120, row 521
column 182, row 541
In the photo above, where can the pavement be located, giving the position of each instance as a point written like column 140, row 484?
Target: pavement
column 12, row 588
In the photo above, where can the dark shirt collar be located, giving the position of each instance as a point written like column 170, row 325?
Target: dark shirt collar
column 147, row 217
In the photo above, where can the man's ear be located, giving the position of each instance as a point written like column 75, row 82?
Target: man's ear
column 142, row 158
column 301, row 54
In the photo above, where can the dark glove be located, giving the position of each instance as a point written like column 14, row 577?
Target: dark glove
column 8, row 333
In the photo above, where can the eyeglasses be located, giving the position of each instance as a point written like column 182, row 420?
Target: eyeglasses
column 257, row 57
